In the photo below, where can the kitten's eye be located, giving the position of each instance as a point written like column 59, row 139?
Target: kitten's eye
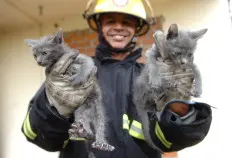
column 35, row 56
column 190, row 55
column 44, row 53
column 177, row 53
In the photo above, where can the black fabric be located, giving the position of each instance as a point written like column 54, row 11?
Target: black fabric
column 50, row 127
column 103, row 54
column 182, row 135
column 116, row 79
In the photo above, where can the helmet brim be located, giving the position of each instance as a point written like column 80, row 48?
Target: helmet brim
column 143, row 26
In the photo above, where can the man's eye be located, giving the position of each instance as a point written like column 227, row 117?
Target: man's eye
column 110, row 21
column 128, row 22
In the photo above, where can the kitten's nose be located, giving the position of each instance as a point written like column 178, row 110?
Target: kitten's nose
column 39, row 62
column 183, row 61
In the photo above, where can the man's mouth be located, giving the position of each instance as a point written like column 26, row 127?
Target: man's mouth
column 118, row 37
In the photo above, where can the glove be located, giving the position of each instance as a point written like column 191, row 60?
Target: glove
column 187, row 130
column 59, row 89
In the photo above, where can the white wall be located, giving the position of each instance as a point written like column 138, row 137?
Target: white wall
column 20, row 80
column 213, row 57
column 21, row 77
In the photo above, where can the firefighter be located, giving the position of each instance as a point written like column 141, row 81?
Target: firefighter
column 118, row 23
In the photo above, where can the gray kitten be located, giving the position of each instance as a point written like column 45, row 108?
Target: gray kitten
column 169, row 73
column 77, row 73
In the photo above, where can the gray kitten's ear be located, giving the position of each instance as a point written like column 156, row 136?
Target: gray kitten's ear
column 58, row 38
column 31, row 42
column 172, row 32
column 159, row 38
column 196, row 35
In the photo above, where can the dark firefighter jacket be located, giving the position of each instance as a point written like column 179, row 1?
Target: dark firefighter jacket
column 44, row 127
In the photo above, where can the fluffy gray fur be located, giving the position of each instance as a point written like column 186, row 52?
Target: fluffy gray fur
column 169, row 73
column 79, row 73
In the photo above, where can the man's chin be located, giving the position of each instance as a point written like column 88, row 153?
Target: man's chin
column 118, row 46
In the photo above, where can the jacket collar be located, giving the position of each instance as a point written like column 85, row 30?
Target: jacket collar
column 102, row 55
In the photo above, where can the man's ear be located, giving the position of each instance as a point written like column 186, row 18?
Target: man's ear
column 31, row 42
column 58, row 38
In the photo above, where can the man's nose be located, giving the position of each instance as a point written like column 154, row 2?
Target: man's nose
column 118, row 26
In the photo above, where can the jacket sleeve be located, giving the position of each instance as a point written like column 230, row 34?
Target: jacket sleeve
column 43, row 125
column 170, row 132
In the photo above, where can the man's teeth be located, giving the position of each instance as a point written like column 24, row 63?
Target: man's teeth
column 118, row 37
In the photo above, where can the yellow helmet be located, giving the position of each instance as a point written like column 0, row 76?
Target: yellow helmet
column 136, row 8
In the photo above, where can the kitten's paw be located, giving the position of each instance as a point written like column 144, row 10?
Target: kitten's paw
column 75, row 131
column 73, row 134
column 155, row 84
column 72, row 78
column 94, row 70
column 76, row 80
column 154, row 81
column 196, row 92
column 78, row 130
column 102, row 146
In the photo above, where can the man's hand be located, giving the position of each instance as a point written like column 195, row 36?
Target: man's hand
column 59, row 90
column 60, row 67
column 179, row 108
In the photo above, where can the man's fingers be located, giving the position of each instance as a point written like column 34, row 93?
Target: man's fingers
column 167, row 76
column 176, row 72
column 63, row 63
column 67, row 64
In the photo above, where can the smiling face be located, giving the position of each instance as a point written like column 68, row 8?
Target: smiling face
column 118, row 29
